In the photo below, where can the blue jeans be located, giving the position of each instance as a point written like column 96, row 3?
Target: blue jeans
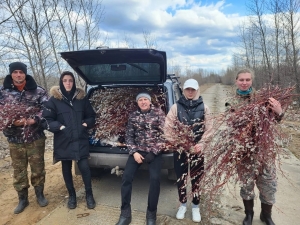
column 128, row 175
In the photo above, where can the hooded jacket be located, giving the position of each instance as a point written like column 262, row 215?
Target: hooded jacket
column 31, row 95
column 70, row 143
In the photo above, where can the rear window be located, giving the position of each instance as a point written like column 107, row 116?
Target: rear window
column 126, row 72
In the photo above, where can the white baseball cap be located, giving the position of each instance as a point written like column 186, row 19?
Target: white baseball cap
column 191, row 83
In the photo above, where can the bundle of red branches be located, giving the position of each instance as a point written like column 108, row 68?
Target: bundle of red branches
column 113, row 106
column 14, row 110
column 179, row 137
column 248, row 141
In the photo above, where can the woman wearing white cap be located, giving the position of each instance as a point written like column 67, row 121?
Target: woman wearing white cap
column 144, row 140
column 190, row 110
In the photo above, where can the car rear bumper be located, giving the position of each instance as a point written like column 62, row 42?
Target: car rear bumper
column 108, row 160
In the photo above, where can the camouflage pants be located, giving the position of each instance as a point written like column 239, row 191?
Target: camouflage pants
column 21, row 155
column 266, row 182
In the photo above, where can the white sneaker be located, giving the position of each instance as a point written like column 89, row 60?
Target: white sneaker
column 181, row 212
column 196, row 215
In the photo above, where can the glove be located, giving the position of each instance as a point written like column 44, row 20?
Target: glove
column 149, row 157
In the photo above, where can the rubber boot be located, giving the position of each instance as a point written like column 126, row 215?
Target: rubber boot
column 23, row 201
column 151, row 218
column 125, row 217
column 266, row 212
column 39, row 192
column 90, row 201
column 248, row 204
column 72, row 202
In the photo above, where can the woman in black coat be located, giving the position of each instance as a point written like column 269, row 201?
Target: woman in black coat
column 69, row 115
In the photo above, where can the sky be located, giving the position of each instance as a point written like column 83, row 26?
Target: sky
column 195, row 34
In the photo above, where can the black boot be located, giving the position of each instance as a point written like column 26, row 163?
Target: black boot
column 248, row 204
column 23, row 201
column 125, row 217
column 39, row 192
column 265, row 215
column 72, row 202
column 151, row 217
column 90, row 201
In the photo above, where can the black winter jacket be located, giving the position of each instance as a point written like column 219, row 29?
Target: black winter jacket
column 70, row 143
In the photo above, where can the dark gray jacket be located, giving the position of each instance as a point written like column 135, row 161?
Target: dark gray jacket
column 144, row 131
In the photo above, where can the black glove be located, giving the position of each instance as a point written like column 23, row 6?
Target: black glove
column 149, row 157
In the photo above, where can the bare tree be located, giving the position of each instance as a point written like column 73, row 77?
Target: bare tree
column 79, row 23
column 6, row 17
column 39, row 30
column 257, row 8
column 149, row 40
column 275, row 7
column 292, row 26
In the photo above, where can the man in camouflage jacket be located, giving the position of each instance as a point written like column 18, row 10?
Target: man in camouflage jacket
column 25, row 135
column 144, row 142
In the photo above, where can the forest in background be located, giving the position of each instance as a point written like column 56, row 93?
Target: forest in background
column 36, row 31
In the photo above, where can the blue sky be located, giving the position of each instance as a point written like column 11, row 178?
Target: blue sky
column 195, row 34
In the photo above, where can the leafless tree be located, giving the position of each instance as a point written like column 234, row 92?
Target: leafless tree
column 270, row 42
column 256, row 7
column 292, row 27
column 39, row 29
column 4, row 17
column 149, row 40
column 78, row 22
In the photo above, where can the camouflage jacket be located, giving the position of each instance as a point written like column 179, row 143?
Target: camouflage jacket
column 144, row 131
column 240, row 100
column 31, row 95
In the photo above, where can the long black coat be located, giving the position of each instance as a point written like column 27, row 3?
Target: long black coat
column 71, row 143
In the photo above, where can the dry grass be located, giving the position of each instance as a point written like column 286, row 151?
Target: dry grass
column 292, row 129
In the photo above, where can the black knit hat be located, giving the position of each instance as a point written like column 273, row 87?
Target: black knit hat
column 17, row 66
column 69, row 95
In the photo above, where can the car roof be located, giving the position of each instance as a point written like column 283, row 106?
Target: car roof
column 106, row 66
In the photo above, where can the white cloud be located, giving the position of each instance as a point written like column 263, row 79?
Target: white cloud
column 200, row 35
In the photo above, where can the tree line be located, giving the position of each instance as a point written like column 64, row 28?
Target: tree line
column 269, row 43
column 34, row 32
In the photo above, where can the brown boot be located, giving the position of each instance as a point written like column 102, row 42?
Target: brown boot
column 248, row 204
column 265, row 215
